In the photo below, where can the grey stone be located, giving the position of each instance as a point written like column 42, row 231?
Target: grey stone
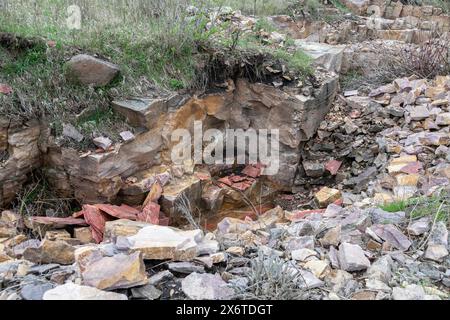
column 381, row 269
column 71, row 291
column 102, row 142
column 419, row 227
column 206, row 287
column 303, row 254
column 71, row 132
column 148, row 292
column 314, row 169
column 436, row 252
column 352, row 258
column 299, row 243
column 378, row 215
column 35, row 291
column 439, row 234
column 392, row 235
column 185, row 267
column 309, row 281
column 419, row 112
column 160, row 277
column 410, row 292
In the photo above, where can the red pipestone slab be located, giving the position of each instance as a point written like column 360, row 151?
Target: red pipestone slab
column 97, row 220
column 237, row 178
column 120, row 212
column 333, row 166
column 225, row 180
column 59, row 221
column 150, row 213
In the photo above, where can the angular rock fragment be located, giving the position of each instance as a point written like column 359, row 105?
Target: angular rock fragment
column 352, row 258
column 117, row 272
column 206, row 287
column 393, row 235
column 88, row 70
column 71, row 291
column 327, row 196
column 158, row 242
column 58, row 251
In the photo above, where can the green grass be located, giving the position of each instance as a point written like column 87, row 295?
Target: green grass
column 443, row 4
column 395, row 206
column 437, row 206
column 155, row 43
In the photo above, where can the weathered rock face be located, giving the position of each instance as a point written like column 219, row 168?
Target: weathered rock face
column 100, row 177
column 19, row 154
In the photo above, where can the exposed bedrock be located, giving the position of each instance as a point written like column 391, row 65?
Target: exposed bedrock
column 125, row 173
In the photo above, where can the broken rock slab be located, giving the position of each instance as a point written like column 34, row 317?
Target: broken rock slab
column 327, row 56
column 327, row 196
column 393, row 235
column 379, row 216
column 58, row 251
column 352, row 258
column 160, row 243
column 117, row 272
column 206, row 287
column 71, row 291
column 410, row 292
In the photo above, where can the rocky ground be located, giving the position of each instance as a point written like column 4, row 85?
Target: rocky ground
column 368, row 217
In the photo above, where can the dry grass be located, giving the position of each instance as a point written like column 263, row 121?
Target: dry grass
column 272, row 278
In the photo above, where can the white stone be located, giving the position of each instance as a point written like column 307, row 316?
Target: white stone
column 71, row 291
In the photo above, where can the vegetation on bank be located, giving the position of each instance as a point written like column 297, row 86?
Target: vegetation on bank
column 157, row 44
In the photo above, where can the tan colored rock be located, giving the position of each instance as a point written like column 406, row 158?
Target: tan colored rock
column 159, row 243
column 397, row 164
column 188, row 186
column 57, row 251
column 407, row 179
column 327, row 196
column 4, row 257
column 6, row 231
column 238, row 251
column 332, row 237
column 122, row 227
column 117, row 272
column 84, row 235
column 53, row 235
column 141, row 112
column 319, row 268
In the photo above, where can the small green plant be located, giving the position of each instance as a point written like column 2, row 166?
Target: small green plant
column 437, row 205
column 395, row 206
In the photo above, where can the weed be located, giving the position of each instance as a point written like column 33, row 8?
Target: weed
column 272, row 278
